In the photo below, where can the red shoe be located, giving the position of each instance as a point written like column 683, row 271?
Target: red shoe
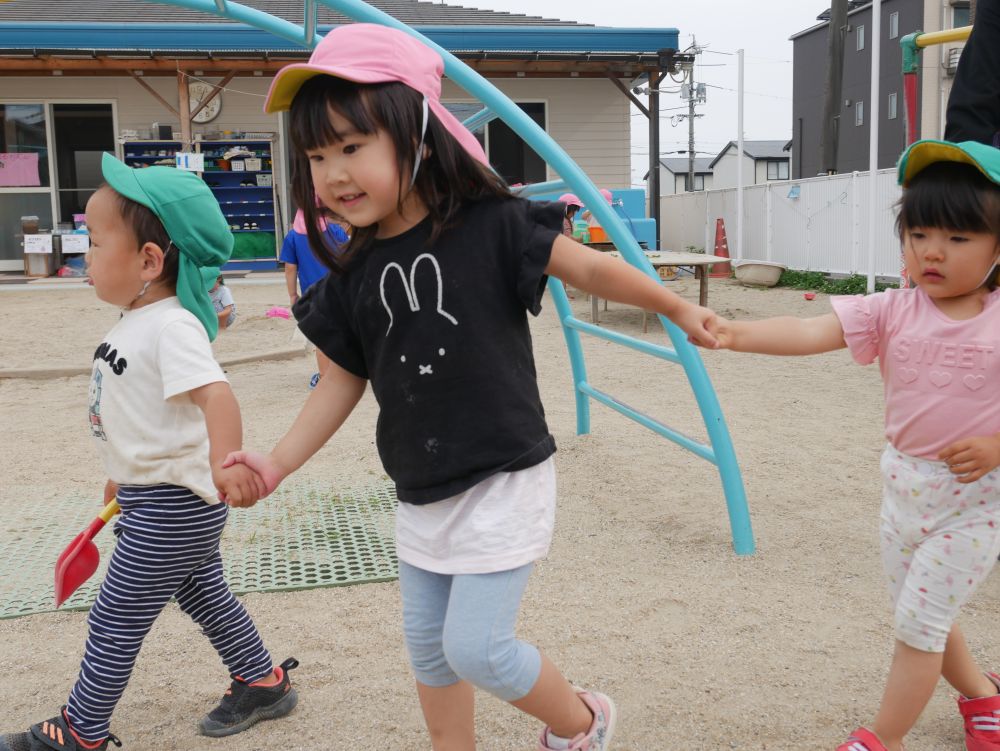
column 982, row 720
column 862, row 739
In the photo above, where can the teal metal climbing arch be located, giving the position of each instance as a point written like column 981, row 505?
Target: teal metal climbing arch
column 719, row 448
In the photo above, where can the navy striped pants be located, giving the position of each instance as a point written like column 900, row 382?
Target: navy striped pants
column 168, row 546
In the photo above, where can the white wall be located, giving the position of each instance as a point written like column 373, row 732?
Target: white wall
column 824, row 229
column 588, row 117
column 724, row 171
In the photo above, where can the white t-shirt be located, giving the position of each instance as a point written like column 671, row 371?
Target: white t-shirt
column 148, row 429
column 502, row 523
column 222, row 298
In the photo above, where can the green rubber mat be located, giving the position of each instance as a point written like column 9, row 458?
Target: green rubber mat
column 302, row 537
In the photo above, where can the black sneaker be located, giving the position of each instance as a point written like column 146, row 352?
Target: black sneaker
column 49, row 735
column 244, row 705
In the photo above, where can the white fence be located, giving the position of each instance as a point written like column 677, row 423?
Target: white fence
column 819, row 224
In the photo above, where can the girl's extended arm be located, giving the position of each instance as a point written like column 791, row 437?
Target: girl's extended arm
column 224, row 316
column 614, row 279
column 225, row 435
column 326, row 409
column 784, row 335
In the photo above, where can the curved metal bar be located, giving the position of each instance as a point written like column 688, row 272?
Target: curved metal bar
column 538, row 189
column 554, row 155
column 485, row 115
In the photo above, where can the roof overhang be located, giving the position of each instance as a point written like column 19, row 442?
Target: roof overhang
column 105, row 49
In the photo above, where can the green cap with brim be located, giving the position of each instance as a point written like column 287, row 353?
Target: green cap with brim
column 924, row 153
column 194, row 222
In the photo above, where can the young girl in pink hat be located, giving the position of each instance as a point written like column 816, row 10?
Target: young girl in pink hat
column 429, row 303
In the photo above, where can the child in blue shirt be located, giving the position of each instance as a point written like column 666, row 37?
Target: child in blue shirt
column 303, row 269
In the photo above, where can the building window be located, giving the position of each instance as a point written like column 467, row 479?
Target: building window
column 960, row 17
column 510, row 156
column 859, row 113
column 861, row 38
column 892, row 107
column 777, row 170
column 699, row 182
column 894, row 24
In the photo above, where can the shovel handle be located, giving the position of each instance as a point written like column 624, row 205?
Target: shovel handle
column 109, row 510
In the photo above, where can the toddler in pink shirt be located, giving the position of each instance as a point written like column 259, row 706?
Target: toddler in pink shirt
column 938, row 349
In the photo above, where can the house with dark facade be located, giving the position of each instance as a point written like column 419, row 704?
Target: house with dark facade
column 853, row 112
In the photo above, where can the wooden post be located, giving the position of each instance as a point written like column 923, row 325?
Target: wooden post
column 184, row 105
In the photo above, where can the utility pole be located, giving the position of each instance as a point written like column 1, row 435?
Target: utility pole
column 834, row 85
column 691, row 102
column 694, row 95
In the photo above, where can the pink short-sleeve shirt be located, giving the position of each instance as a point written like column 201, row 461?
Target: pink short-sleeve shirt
column 941, row 376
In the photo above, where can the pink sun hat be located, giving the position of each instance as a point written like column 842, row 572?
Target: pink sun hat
column 607, row 195
column 372, row 53
column 570, row 199
column 299, row 223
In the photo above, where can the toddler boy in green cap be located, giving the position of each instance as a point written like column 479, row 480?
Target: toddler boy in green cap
column 163, row 418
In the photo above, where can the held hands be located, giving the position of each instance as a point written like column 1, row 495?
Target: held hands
column 699, row 324
column 972, row 458
column 238, row 485
column 262, row 467
column 723, row 331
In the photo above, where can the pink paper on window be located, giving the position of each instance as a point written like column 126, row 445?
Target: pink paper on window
column 19, row 170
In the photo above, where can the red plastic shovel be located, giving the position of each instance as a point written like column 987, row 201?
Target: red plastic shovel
column 79, row 560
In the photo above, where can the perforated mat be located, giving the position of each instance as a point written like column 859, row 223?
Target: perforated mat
column 304, row 536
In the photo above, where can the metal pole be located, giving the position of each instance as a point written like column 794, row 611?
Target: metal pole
column 873, row 138
column 654, row 155
column 691, row 101
column 739, row 160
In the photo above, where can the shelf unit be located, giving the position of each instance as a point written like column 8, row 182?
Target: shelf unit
column 248, row 206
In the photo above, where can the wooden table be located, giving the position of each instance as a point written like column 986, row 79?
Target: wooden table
column 659, row 258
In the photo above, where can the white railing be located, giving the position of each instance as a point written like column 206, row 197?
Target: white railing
column 819, row 224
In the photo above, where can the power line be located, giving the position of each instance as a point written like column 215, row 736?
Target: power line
column 755, row 93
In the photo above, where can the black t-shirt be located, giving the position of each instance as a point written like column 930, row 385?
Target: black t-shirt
column 442, row 334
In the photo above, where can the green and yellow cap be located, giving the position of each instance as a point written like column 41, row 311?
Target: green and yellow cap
column 193, row 221
column 921, row 154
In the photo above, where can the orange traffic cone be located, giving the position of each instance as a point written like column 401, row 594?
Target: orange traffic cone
column 721, row 249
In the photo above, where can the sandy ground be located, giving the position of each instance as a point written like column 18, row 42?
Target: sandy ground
column 641, row 596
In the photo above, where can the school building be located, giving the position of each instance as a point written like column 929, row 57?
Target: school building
column 150, row 81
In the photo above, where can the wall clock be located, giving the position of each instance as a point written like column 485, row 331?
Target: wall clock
column 197, row 91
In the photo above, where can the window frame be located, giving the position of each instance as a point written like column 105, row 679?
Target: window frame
column 892, row 106
column 894, row 24
column 485, row 128
column 47, row 104
column 859, row 113
column 779, row 166
column 859, row 34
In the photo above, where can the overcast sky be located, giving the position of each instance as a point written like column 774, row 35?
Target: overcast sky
column 721, row 26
